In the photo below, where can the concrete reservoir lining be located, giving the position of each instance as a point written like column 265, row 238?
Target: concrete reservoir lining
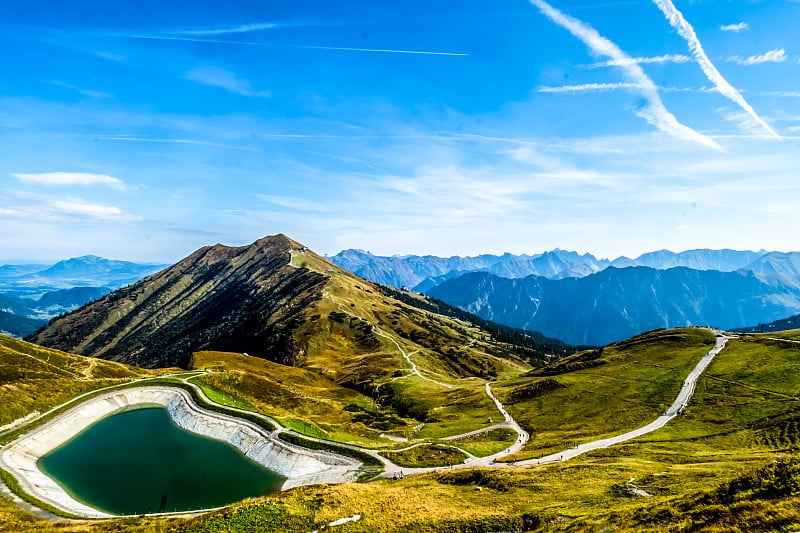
column 300, row 466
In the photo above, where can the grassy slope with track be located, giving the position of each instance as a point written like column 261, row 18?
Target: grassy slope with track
column 707, row 470
column 602, row 392
column 33, row 378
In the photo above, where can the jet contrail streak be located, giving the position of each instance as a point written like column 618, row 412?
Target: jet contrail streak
column 679, row 23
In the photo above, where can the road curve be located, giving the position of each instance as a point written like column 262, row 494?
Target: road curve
column 522, row 435
column 680, row 403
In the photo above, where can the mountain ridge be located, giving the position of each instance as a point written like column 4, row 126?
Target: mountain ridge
column 423, row 272
column 620, row 302
column 273, row 299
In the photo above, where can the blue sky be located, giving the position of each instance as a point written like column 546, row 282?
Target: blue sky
column 144, row 130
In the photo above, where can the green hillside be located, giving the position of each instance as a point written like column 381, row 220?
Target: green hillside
column 33, row 378
column 603, row 392
column 17, row 325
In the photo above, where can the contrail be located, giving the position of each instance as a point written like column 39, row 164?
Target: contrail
column 244, row 28
column 668, row 58
column 589, row 87
column 654, row 112
column 679, row 22
column 300, row 46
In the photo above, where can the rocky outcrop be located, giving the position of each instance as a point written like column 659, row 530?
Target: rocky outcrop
column 299, row 465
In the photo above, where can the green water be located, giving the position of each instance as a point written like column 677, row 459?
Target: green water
column 140, row 462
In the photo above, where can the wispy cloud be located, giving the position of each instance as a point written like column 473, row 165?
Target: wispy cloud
column 81, row 208
column 679, row 23
column 381, row 50
column 667, row 58
column 242, row 28
column 739, row 26
column 291, row 202
column 110, row 56
column 591, row 87
column 224, row 79
column 297, row 46
column 654, row 110
column 773, row 56
column 131, row 138
column 69, row 178
column 91, row 93
column 599, row 87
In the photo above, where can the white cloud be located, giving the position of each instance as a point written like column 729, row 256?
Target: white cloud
column 679, row 22
column 744, row 121
column 667, row 58
column 81, row 208
column 773, row 56
column 739, row 26
column 69, row 178
column 654, row 111
column 224, row 79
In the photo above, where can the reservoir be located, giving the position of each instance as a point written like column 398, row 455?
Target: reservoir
column 139, row 462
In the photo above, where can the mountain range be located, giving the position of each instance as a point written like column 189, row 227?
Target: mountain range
column 620, row 302
column 30, row 294
column 423, row 272
column 273, row 299
column 87, row 271
column 784, row 324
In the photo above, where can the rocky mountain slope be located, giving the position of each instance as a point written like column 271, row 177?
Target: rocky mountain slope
column 246, row 299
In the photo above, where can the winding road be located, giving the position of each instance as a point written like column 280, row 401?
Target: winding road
column 414, row 370
column 677, row 407
column 393, row 471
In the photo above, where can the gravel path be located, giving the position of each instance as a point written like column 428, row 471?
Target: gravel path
column 677, row 407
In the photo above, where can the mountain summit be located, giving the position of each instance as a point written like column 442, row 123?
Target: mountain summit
column 277, row 300
column 245, row 299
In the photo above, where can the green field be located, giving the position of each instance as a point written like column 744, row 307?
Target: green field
column 426, row 455
column 489, row 443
